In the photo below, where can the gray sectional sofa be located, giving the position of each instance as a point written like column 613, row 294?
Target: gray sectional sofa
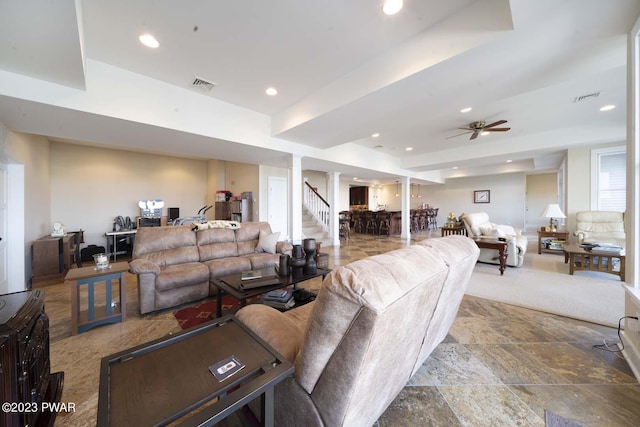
column 175, row 264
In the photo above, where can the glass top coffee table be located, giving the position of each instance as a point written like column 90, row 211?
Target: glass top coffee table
column 231, row 285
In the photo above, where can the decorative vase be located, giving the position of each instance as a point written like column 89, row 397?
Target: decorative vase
column 309, row 252
column 297, row 261
column 283, row 268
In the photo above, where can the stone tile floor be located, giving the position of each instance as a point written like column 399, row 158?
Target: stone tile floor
column 500, row 365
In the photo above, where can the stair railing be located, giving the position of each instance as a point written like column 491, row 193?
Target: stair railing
column 317, row 206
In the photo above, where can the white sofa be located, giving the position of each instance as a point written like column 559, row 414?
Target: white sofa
column 478, row 225
column 600, row 227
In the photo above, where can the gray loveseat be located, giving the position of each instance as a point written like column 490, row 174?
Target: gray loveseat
column 371, row 327
column 175, row 264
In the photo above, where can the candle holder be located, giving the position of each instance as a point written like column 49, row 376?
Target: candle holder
column 309, row 252
column 102, row 261
column 297, row 261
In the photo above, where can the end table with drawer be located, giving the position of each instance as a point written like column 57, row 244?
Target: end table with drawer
column 559, row 235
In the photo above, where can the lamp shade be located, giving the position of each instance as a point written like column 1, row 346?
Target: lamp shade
column 553, row 211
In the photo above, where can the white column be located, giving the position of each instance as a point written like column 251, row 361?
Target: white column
column 334, row 201
column 295, row 180
column 406, row 207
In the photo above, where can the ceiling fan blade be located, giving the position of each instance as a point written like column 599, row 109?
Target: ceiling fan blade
column 471, row 129
column 499, row 122
column 475, row 135
column 453, row 136
column 496, row 129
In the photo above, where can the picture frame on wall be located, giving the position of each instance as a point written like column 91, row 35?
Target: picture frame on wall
column 481, row 196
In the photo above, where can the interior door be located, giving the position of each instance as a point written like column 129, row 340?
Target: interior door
column 278, row 206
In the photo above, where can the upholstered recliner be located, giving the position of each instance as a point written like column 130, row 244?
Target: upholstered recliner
column 372, row 325
column 600, row 226
column 478, row 225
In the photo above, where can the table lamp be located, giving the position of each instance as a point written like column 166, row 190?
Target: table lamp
column 552, row 211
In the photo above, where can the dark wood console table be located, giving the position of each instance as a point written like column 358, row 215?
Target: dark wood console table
column 167, row 381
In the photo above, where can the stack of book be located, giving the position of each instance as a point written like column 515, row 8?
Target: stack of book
column 280, row 299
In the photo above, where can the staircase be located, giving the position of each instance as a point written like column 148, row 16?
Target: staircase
column 312, row 229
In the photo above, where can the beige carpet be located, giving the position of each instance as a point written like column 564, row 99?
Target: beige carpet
column 544, row 284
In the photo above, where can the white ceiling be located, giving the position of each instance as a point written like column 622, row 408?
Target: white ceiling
column 343, row 71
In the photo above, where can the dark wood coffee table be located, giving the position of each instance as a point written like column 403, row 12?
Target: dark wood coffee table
column 229, row 285
column 499, row 246
column 594, row 260
column 167, row 381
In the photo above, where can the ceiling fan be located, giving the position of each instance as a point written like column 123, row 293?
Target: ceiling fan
column 476, row 128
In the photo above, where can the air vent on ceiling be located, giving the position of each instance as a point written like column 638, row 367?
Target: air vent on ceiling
column 586, row 97
column 203, row 84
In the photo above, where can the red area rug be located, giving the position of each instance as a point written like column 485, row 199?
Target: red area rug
column 200, row 313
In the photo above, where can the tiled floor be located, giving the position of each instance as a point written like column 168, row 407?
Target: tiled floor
column 500, row 365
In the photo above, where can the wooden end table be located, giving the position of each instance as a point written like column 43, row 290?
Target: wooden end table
column 560, row 235
column 594, row 260
column 83, row 320
column 498, row 245
column 448, row 231
column 167, row 381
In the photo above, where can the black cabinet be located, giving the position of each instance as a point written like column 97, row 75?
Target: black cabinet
column 25, row 377
column 359, row 195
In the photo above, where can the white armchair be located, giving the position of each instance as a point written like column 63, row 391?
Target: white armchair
column 600, row 227
column 478, row 225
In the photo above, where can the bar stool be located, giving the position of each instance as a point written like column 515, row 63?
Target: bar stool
column 414, row 224
column 344, row 221
column 384, row 223
column 358, row 225
column 372, row 222
column 432, row 218
column 422, row 219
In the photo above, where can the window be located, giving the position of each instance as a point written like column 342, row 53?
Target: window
column 609, row 179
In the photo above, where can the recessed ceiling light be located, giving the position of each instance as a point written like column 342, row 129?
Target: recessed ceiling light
column 455, row 167
column 391, row 7
column 375, row 135
column 608, row 108
column 465, row 110
column 509, row 161
column 355, row 179
column 408, row 149
column 271, row 91
column 149, row 41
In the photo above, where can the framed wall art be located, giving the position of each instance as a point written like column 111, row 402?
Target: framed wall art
column 481, row 196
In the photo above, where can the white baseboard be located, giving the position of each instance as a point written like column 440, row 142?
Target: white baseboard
column 631, row 353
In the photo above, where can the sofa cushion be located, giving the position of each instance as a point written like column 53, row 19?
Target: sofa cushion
column 267, row 242
column 247, row 236
column 225, row 266
column 166, row 246
column 182, row 275
column 216, row 243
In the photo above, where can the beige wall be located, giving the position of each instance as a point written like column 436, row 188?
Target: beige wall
column 33, row 152
column 507, row 203
column 542, row 189
column 318, row 180
column 241, row 177
column 91, row 186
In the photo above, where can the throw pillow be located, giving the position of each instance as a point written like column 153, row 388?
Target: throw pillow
column 267, row 242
